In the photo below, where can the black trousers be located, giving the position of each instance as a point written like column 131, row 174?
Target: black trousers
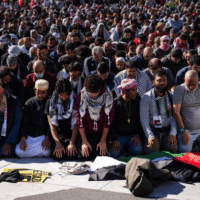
column 65, row 142
column 93, row 139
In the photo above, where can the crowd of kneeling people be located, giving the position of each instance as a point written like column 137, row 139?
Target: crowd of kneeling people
column 89, row 115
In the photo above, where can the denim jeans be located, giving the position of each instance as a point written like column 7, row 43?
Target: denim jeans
column 125, row 141
column 188, row 147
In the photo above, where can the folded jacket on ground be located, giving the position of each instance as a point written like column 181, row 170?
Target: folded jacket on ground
column 115, row 172
column 142, row 176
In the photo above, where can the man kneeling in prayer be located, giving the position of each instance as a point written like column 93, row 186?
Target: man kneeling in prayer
column 10, row 120
column 126, row 128
column 35, row 129
column 60, row 114
column 156, row 117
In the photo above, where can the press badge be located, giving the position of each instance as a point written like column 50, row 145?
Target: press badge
column 157, row 121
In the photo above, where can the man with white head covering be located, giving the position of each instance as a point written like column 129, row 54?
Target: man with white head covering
column 35, row 129
column 23, row 58
column 126, row 128
column 101, row 31
column 34, row 34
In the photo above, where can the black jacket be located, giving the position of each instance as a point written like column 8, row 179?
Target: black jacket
column 173, row 67
column 50, row 66
column 13, row 118
column 23, row 59
column 120, row 124
column 16, row 88
column 90, row 66
column 34, row 121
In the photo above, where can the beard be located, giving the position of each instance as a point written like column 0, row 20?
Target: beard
column 161, row 90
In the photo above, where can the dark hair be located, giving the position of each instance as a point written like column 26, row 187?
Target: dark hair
column 52, row 38
column 183, row 36
column 194, row 59
column 195, row 28
column 131, row 43
column 74, row 27
column 142, row 37
column 103, row 68
column 42, row 46
column 127, row 30
column 192, row 52
column 131, row 64
column 69, row 46
column 65, row 60
column 61, row 47
column 4, row 71
column 63, row 85
column 75, row 66
column 93, row 83
column 155, row 65
column 83, row 51
column 120, row 53
column 159, row 73
column 98, row 41
column 120, row 46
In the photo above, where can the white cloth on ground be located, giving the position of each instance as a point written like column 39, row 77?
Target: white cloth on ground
column 34, row 148
column 105, row 161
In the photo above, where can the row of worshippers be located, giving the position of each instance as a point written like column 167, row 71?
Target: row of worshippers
column 95, row 124
column 176, row 64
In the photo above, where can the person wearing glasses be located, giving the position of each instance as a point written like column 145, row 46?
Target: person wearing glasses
column 42, row 53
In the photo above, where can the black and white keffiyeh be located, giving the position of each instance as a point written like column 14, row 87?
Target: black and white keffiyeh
column 144, row 84
column 57, row 111
column 94, row 105
column 77, row 84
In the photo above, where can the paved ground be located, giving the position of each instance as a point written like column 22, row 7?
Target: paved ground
column 68, row 185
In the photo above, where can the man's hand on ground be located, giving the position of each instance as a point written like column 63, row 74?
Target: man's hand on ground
column 6, row 148
column 102, row 148
column 59, row 150
column 84, row 148
column 71, row 150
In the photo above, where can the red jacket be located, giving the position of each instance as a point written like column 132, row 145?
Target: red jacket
column 30, row 84
column 87, row 122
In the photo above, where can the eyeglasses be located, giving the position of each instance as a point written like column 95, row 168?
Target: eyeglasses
column 42, row 54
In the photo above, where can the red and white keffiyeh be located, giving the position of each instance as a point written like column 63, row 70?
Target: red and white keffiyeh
column 126, row 84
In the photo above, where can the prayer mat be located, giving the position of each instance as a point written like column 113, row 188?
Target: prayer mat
column 190, row 158
column 154, row 155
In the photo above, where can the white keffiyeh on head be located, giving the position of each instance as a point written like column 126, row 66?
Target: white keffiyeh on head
column 115, row 34
column 106, row 34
